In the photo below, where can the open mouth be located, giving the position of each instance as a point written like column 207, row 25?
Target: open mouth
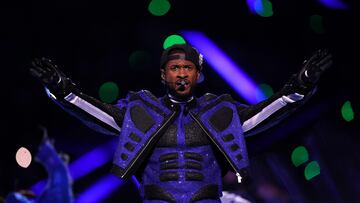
column 182, row 85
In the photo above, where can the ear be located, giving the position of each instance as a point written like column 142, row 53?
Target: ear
column 162, row 74
column 198, row 75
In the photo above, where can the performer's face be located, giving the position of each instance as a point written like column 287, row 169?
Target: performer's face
column 178, row 70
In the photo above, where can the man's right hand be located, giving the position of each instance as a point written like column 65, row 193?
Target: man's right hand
column 50, row 76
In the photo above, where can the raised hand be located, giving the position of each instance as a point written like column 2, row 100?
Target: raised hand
column 50, row 75
column 315, row 66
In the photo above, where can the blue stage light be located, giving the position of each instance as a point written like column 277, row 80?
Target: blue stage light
column 224, row 66
column 100, row 190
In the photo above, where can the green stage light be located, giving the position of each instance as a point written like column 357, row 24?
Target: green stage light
column 139, row 59
column 159, row 7
column 263, row 8
column 299, row 156
column 316, row 24
column 347, row 111
column 173, row 39
column 312, row 170
column 108, row 92
column 263, row 91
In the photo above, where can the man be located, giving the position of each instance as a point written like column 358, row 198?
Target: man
column 179, row 146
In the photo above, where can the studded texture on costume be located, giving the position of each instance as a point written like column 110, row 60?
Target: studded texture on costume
column 144, row 122
column 175, row 143
column 194, row 135
column 169, row 138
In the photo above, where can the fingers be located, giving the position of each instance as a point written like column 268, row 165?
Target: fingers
column 313, row 57
column 42, row 67
column 36, row 64
column 323, row 52
column 320, row 60
column 48, row 62
column 319, row 55
column 51, row 66
column 44, row 64
column 325, row 62
column 37, row 69
column 326, row 65
column 35, row 73
column 41, row 71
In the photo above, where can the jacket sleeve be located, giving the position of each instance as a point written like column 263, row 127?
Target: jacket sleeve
column 99, row 116
column 259, row 117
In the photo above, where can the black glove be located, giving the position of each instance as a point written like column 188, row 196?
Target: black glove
column 50, row 76
column 313, row 67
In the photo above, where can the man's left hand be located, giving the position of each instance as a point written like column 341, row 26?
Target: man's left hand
column 313, row 67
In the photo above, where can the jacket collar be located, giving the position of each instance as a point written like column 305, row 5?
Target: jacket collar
column 172, row 103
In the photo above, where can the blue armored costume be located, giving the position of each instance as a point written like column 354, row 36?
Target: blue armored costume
column 179, row 149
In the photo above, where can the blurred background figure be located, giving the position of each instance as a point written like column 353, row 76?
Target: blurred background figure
column 59, row 183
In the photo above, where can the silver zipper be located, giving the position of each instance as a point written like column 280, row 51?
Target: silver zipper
column 238, row 177
column 198, row 122
column 143, row 149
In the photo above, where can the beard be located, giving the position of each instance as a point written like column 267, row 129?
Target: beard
column 174, row 91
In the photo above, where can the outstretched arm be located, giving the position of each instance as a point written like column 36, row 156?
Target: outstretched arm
column 99, row 116
column 259, row 117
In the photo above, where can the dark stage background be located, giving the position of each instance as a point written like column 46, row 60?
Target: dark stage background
column 92, row 42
